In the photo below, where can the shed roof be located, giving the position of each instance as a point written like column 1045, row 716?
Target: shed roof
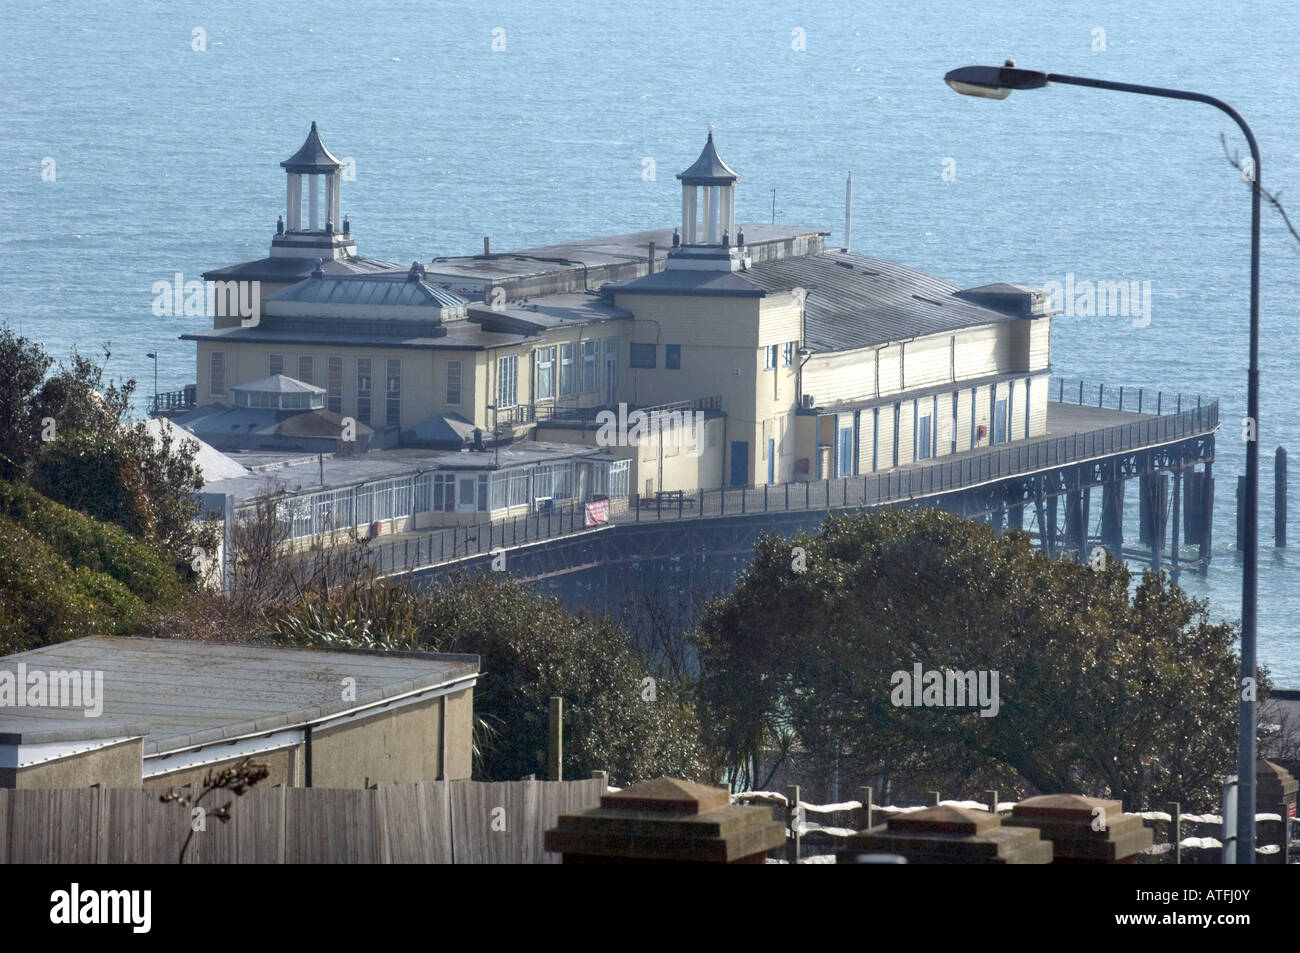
column 188, row 693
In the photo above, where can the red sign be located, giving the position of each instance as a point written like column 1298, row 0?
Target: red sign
column 596, row 512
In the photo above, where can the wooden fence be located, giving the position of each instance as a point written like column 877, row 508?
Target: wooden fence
column 436, row 822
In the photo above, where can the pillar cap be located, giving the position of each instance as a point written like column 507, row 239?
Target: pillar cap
column 668, row 796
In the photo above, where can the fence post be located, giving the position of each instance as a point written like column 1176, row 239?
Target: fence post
column 993, row 801
column 934, row 798
column 764, row 497
column 1176, row 829
column 867, row 809
column 603, row 778
column 793, row 821
column 555, row 740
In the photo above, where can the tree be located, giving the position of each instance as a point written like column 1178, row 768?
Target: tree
column 1100, row 691
column 67, row 433
column 617, row 717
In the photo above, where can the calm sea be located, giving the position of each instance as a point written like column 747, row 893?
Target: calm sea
column 538, row 122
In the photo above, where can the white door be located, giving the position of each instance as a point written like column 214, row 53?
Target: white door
column 466, row 501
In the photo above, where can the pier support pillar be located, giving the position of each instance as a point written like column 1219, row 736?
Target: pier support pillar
column 1051, row 526
column 1074, row 523
column 1153, row 508
column 1174, row 539
column 1206, row 519
column 1112, row 517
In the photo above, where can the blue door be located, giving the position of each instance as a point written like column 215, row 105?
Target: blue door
column 771, row 461
column 846, row 453
column 739, row 463
column 1000, row 422
column 923, row 438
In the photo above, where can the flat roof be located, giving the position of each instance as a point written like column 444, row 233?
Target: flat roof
column 303, row 474
column 588, row 252
column 179, row 694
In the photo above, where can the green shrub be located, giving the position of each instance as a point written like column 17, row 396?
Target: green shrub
column 90, row 544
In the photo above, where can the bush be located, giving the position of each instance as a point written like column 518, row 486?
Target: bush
column 46, row 600
column 90, row 544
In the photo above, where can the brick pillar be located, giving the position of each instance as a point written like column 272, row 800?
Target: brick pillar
column 1084, row 830
column 951, row 835
column 667, row 821
column 1275, row 793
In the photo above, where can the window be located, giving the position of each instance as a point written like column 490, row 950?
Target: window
column 334, row 386
column 507, row 381
column 274, row 364
column 770, row 353
column 545, row 373
column 673, row 357
column 363, row 390
column 453, row 383
column 641, row 355
column 217, row 375
column 393, row 392
column 304, row 369
column 787, row 354
column 444, row 492
column 589, row 351
column 568, row 379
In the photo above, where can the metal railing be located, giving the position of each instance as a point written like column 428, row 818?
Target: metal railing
column 1136, row 400
column 420, row 550
column 914, row 481
column 435, row 547
column 549, row 412
column 174, row 400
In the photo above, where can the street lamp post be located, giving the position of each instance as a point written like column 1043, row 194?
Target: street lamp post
column 154, row 355
column 997, row 82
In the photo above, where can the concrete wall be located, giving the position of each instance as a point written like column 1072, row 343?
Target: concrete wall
column 396, row 745
column 115, row 766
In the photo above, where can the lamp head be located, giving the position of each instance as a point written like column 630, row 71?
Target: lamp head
column 994, row 82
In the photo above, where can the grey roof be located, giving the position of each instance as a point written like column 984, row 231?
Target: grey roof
column 590, row 254
column 854, row 301
column 442, row 430
column 302, row 473
column 723, row 284
column 214, row 421
column 455, row 335
column 282, row 271
column 382, row 288
column 312, row 157
column 280, row 384
column 190, row 693
column 708, row 169
column 548, row 311
column 35, row 730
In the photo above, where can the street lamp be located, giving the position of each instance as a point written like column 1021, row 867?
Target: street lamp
column 997, row 82
column 154, row 355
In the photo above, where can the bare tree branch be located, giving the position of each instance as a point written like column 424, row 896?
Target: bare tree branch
column 1234, row 159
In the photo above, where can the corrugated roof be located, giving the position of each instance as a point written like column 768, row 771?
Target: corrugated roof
column 387, row 289
column 854, row 301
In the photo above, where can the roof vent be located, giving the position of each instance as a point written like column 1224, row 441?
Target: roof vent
column 416, row 273
column 319, row 270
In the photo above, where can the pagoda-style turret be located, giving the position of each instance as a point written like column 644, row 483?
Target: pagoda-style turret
column 707, row 240
column 718, row 181
column 321, row 234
